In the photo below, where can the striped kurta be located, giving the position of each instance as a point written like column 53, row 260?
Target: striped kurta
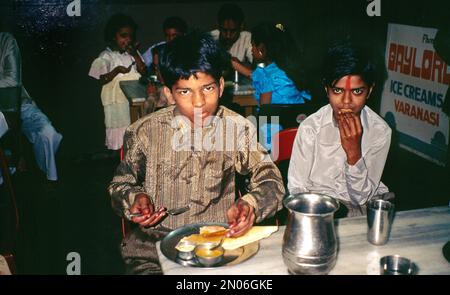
column 163, row 161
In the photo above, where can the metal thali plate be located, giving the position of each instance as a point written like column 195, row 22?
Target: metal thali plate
column 231, row 257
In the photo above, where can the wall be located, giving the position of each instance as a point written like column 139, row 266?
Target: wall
column 57, row 50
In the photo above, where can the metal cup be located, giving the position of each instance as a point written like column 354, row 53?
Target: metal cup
column 397, row 265
column 379, row 221
column 185, row 250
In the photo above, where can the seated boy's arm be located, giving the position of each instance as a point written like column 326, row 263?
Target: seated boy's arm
column 363, row 178
column 266, row 189
column 129, row 176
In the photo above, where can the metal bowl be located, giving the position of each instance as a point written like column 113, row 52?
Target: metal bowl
column 185, row 250
column 397, row 265
column 209, row 255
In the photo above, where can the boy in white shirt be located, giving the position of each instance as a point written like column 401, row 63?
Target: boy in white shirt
column 341, row 149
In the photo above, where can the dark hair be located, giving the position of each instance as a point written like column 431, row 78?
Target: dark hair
column 230, row 11
column 189, row 54
column 115, row 23
column 346, row 58
column 281, row 48
column 177, row 23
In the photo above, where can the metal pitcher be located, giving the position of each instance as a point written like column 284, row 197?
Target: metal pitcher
column 309, row 241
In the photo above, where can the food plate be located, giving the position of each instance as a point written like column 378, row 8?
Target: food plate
column 231, row 257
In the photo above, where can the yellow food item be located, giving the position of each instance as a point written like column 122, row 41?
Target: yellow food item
column 206, row 253
column 343, row 111
column 199, row 239
column 256, row 233
column 211, row 229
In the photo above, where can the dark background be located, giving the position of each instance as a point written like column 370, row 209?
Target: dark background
column 57, row 52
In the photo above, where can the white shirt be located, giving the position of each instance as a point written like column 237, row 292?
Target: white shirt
column 108, row 60
column 319, row 163
column 242, row 48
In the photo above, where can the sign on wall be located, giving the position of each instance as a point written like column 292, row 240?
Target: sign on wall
column 415, row 91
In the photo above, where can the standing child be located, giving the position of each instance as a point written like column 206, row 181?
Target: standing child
column 173, row 27
column 341, row 149
column 120, row 61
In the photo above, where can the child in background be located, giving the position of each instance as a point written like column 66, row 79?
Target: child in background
column 120, row 61
column 172, row 27
column 278, row 82
column 341, row 149
column 154, row 88
column 231, row 34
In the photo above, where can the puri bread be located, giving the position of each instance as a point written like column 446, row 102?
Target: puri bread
column 211, row 229
column 256, row 233
column 201, row 239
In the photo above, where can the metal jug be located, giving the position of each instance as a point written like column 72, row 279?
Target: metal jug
column 309, row 241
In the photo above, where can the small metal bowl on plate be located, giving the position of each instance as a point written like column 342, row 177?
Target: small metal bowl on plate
column 209, row 254
column 397, row 265
column 185, row 250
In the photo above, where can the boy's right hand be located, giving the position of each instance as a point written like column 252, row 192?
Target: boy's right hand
column 350, row 130
column 143, row 205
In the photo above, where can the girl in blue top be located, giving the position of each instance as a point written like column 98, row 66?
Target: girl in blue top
column 279, row 81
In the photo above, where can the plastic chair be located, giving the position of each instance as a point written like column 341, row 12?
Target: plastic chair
column 282, row 143
column 289, row 115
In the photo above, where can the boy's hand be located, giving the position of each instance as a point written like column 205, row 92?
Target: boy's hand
column 142, row 205
column 241, row 217
column 350, row 130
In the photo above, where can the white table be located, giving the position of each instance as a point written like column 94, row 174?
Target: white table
column 417, row 234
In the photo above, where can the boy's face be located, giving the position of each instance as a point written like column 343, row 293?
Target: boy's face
column 124, row 37
column 171, row 33
column 349, row 93
column 229, row 32
column 197, row 95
